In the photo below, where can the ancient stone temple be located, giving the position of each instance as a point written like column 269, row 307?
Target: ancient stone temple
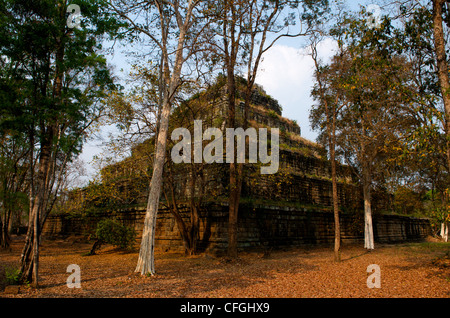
column 288, row 208
column 304, row 172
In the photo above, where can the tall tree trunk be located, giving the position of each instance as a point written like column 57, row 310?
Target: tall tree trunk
column 337, row 227
column 161, row 95
column 27, row 247
column 444, row 231
column 444, row 83
column 368, row 226
column 331, row 131
column 30, row 255
column 145, row 264
column 36, row 248
column 49, row 129
column 195, row 219
column 233, row 213
column 439, row 47
column 230, row 49
column 331, row 123
column 5, row 239
column 233, row 202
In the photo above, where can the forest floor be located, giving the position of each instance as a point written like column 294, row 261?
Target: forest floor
column 406, row 270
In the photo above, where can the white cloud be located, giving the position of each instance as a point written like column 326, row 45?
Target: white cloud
column 286, row 73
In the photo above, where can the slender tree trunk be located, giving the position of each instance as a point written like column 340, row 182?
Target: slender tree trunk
column 145, row 263
column 5, row 239
column 178, row 219
column 36, row 250
column 337, row 227
column 233, row 202
column 233, row 214
column 160, row 97
column 27, row 257
column 1, row 232
column 195, row 219
column 331, row 123
column 230, row 49
column 368, row 226
column 444, row 231
column 331, row 131
column 3, row 235
column 439, row 46
column 27, row 247
column 39, row 196
column 236, row 178
column 182, row 228
column 443, row 69
column 30, row 255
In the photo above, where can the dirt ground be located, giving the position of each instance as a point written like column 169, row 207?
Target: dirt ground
column 406, row 270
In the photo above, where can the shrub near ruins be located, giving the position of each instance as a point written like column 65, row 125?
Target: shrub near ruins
column 114, row 233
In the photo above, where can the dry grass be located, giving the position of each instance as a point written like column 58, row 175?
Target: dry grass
column 407, row 270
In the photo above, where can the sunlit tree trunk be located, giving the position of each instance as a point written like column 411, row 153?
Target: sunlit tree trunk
column 337, row 226
column 330, row 113
column 368, row 226
column 439, row 47
column 146, row 260
column 444, row 231
column 30, row 255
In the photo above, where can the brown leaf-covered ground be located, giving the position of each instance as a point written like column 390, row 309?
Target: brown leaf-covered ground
column 407, row 270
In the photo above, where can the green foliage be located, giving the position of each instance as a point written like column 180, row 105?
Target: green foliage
column 12, row 275
column 113, row 193
column 384, row 90
column 36, row 25
column 272, row 113
column 438, row 208
column 407, row 201
column 278, row 182
column 53, row 85
column 114, row 233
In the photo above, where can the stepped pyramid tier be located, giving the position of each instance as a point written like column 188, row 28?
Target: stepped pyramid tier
column 211, row 106
column 303, row 177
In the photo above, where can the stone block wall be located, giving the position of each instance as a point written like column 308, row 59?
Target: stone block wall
column 301, row 188
column 260, row 226
column 300, row 179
